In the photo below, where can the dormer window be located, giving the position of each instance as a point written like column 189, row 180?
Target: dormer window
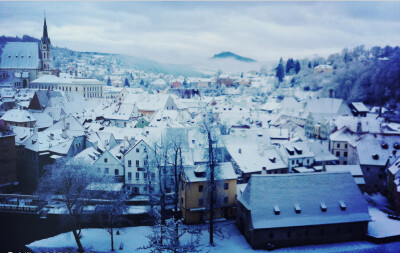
column 297, row 208
column 277, row 211
column 323, row 207
column 342, row 205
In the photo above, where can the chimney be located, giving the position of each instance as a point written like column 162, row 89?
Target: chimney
column 330, row 93
column 64, row 133
column 359, row 127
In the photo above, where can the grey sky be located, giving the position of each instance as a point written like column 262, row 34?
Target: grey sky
column 187, row 32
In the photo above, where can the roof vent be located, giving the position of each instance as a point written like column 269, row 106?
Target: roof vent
column 323, row 207
column 342, row 205
column 384, row 145
column 297, row 208
column 276, row 210
column 375, row 156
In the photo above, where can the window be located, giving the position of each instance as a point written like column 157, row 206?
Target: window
column 226, row 186
column 137, row 175
column 145, row 162
column 137, row 162
column 137, row 150
column 345, row 145
column 344, row 162
column 145, row 175
column 345, row 154
column 129, row 175
column 337, row 153
column 153, row 175
column 201, row 202
column 105, row 160
column 200, row 188
column 338, row 145
column 106, row 171
column 116, row 171
column 129, row 163
column 76, row 88
column 193, row 141
column 225, row 200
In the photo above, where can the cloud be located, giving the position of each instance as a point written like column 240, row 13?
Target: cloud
column 188, row 32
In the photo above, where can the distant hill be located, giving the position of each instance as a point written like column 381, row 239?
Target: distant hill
column 225, row 55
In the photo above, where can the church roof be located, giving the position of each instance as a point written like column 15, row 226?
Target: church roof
column 20, row 55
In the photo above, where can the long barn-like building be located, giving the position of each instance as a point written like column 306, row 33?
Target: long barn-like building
column 295, row 209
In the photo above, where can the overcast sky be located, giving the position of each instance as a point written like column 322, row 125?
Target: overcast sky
column 186, row 32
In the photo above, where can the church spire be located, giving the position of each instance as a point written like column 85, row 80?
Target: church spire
column 45, row 38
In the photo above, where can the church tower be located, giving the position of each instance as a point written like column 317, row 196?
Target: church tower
column 45, row 49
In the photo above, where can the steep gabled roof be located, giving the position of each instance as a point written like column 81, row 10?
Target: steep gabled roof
column 311, row 193
column 20, row 55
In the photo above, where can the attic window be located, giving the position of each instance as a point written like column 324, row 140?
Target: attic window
column 323, row 207
column 9, row 56
column 273, row 160
column 375, row 156
column 385, row 145
column 22, row 56
column 298, row 150
column 277, row 211
column 396, row 146
column 342, row 205
column 297, row 208
column 29, row 56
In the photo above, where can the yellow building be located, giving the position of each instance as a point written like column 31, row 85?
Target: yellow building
column 88, row 88
column 195, row 193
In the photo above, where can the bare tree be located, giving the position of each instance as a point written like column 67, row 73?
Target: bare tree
column 111, row 205
column 209, row 125
column 188, row 238
column 69, row 180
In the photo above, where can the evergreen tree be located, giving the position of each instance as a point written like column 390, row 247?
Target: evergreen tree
column 280, row 71
column 297, row 67
column 109, row 82
column 126, row 84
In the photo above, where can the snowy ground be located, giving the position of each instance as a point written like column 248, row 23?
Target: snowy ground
column 381, row 226
column 228, row 240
